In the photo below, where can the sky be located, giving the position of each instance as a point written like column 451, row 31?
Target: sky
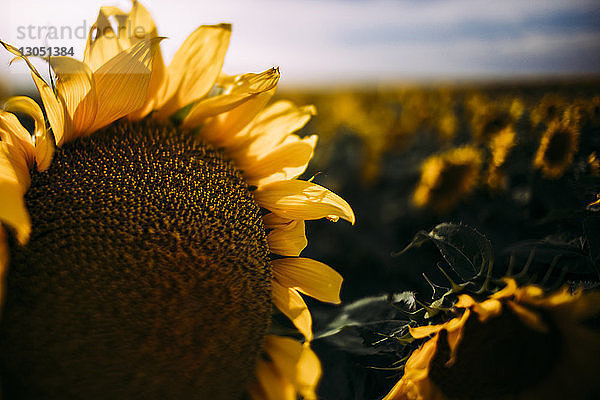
column 330, row 42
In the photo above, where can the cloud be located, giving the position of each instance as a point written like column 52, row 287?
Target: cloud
column 339, row 40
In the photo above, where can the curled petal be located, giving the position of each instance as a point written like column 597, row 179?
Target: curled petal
column 194, row 68
column 242, row 96
column 310, row 277
column 44, row 147
column 55, row 111
column 297, row 200
column 292, row 305
column 13, row 133
column 53, row 106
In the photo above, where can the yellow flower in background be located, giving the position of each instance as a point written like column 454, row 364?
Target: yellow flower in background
column 447, row 178
column 593, row 111
column 367, row 116
column 416, row 110
column 593, row 162
column 518, row 344
column 142, row 256
column 447, row 125
column 549, row 109
column 500, row 146
column 490, row 118
column 557, row 148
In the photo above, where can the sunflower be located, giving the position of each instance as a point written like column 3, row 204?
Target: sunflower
column 517, row 344
column 447, row 178
column 549, row 108
column 557, row 148
column 490, row 118
column 147, row 236
column 501, row 144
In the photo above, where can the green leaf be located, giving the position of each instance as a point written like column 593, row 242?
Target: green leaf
column 466, row 251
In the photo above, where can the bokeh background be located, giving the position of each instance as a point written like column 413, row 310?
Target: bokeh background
column 428, row 112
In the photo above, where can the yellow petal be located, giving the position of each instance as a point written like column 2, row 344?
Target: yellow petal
column 229, row 129
column 156, row 81
column 44, row 146
column 288, row 240
column 140, row 18
column 14, row 182
column 272, row 221
column 292, row 305
column 54, row 109
column 509, row 290
column 194, row 68
column 310, row 277
column 271, row 384
column 44, row 151
column 12, row 132
column 287, row 161
column 242, row 90
column 309, row 373
column 295, row 361
column 274, row 124
column 464, row 301
column 421, row 332
column 415, row 384
column 102, row 41
column 122, row 83
column 297, row 200
column 76, row 87
column 488, row 308
column 133, row 27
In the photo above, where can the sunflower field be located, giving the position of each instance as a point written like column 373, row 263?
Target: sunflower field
column 460, row 191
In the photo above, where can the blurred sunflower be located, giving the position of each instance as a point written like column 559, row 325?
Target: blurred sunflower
column 557, row 148
column 517, row 344
column 447, row 178
column 489, row 117
column 143, row 255
column 500, row 146
column 593, row 111
column 549, row 109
